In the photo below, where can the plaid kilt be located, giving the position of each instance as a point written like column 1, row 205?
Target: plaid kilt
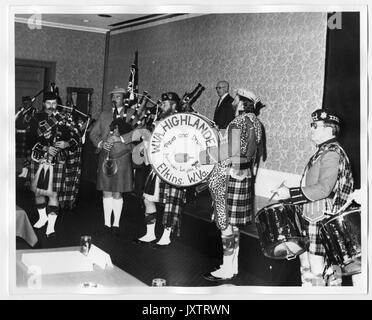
column 66, row 178
column 312, row 230
column 233, row 199
column 239, row 198
column 173, row 198
column 21, row 146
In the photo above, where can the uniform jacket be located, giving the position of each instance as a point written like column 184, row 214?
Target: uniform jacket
column 327, row 180
column 122, row 181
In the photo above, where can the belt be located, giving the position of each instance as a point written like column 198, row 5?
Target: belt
column 241, row 166
column 241, row 163
column 119, row 154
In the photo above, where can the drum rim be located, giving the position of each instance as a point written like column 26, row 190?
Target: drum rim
column 286, row 240
column 336, row 216
column 273, row 205
column 217, row 135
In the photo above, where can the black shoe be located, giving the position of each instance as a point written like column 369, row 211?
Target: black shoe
column 210, row 277
column 161, row 246
column 138, row 241
column 115, row 231
column 51, row 236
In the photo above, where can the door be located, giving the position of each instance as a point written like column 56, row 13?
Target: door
column 29, row 80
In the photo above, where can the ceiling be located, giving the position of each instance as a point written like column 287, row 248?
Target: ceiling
column 96, row 21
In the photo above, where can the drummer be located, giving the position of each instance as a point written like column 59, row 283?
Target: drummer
column 158, row 191
column 325, row 186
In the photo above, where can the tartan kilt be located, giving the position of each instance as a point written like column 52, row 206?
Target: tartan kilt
column 66, row 178
column 58, row 175
column 152, row 187
column 173, row 198
column 240, row 200
column 312, row 230
column 21, row 146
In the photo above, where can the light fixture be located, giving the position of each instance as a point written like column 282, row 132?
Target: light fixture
column 85, row 20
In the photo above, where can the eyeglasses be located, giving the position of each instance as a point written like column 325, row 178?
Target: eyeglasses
column 220, row 87
column 315, row 125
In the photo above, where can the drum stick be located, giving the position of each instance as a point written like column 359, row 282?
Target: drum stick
column 70, row 108
column 85, row 131
column 348, row 202
column 275, row 193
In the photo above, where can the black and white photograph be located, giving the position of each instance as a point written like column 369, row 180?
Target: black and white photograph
column 201, row 149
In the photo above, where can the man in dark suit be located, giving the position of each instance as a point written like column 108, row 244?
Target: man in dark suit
column 224, row 112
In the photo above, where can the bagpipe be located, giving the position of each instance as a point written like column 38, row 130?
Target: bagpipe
column 148, row 111
column 62, row 127
column 23, row 111
column 118, row 126
column 80, row 119
column 57, row 127
column 189, row 99
column 153, row 113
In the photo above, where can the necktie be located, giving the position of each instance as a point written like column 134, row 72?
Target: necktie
column 218, row 103
column 116, row 112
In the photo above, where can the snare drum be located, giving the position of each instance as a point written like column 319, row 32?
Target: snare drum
column 175, row 145
column 280, row 231
column 341, row 239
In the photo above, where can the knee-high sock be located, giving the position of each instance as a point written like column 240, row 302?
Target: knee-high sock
column 117, row 207
column 150, row 219
column 226, row 270
column 150, row 206
column 228, row 242
column 165, row 238
column 317, row 264
column 107, row 210
column 52, row 218
column 236, row 249
column 24, row 172
column 312, row 267
column 43, row 219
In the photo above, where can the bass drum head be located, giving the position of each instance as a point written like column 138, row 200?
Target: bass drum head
column 175, row 145
column 287, row 249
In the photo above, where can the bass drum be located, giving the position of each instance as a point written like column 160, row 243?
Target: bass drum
column 341, row 237
column 175, row 145
column 280, row 231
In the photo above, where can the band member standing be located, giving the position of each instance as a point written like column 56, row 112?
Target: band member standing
column 224, row 112
column 231, row 182
column 158, row 191
column 325, row 186
column 22, row 124
column 110, row 144
column 55, row 166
